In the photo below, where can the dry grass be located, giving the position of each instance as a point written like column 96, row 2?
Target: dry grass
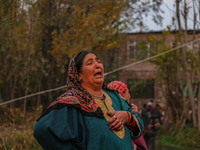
column 17, row 133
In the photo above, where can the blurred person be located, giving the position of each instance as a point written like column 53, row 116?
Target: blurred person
column 144, row 116
column 156, row 117
column 149, row 111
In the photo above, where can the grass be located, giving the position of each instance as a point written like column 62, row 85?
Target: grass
column 188, row 137
column 18, row 134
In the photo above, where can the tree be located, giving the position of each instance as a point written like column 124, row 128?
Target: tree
column 38, row 38
column 183, row 39
column 13, row 50
column 87, row 26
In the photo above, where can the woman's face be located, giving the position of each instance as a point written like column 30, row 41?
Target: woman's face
column 127, row 96
column 91, row 74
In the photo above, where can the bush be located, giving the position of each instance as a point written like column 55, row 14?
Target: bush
column 188, row 137
column 18, row 134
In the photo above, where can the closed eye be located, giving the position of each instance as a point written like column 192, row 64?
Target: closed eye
column 98, row 60
column 89, row 62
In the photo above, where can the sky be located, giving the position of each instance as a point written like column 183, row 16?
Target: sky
column 169, row 12
column 167, row 7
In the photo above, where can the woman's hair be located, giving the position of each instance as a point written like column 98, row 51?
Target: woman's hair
column 79, row 59
column 118, row 86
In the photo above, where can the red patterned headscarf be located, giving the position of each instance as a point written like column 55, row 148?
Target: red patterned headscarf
column 118, row 86
column 77, row 97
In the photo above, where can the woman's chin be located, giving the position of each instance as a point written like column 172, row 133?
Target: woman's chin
column 100, row 82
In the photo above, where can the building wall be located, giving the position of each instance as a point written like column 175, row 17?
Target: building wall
column 144, row 70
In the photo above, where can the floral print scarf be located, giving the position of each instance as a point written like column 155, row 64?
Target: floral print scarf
column 118, row 86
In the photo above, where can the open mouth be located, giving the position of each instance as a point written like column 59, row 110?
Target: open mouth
column 98, row 74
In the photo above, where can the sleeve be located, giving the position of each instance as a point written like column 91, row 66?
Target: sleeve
column 61, row 129
column 136, row 126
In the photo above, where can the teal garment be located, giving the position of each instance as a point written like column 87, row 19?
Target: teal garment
column 68, row 129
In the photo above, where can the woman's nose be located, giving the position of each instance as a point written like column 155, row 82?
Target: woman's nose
column 97, row 64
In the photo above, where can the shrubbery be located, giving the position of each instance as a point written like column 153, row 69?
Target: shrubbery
column 17, row 133
column 188, row 137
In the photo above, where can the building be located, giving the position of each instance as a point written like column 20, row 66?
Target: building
column 141, row 76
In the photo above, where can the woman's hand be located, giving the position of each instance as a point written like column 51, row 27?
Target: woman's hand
column 117, row 120
column 134, row 108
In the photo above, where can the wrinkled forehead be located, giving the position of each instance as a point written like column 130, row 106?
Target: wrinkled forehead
column 90, row 57
column 79, row 58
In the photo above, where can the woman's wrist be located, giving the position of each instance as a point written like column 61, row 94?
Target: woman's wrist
column 130, row 117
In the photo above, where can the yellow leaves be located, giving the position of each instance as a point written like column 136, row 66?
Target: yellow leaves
column 112, row 45
column 54, row 33
column 86, row 24
column 101, row 23
column 16, row 114
column 89, row 27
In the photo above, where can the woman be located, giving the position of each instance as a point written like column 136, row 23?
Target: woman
column 88, row 116
column 122, row 89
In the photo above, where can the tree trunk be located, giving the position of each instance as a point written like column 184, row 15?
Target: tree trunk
column 50, row 96
column 187, row 75
column 198, row 98
column 198, row 102
column 13, row 87
column 39, row 96
column 25, row 101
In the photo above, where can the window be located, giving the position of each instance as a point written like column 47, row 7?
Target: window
column 141, row 88
column 175, row 44
column 191, row 46
column 196, row 46
column 138, row 49
column 133, row 49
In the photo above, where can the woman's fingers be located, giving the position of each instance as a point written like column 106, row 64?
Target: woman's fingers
column 115, row 125
column 134, row 108
column 115, row 122
column 112, row 119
